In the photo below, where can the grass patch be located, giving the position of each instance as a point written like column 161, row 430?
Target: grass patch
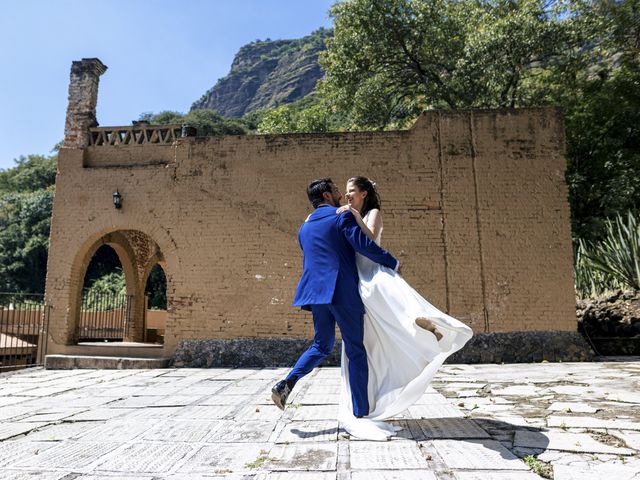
column 539, row 467
column 260, row 461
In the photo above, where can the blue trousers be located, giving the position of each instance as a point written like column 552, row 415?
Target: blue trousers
column 351, row 323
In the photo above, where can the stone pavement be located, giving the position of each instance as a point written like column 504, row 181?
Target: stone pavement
column 496, row 422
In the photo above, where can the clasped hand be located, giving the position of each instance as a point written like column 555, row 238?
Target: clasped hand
column 348, row 208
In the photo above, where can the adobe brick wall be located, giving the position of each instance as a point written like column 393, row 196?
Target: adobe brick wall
column 474, row 204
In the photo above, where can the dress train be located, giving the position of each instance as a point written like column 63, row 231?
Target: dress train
column 402, row 355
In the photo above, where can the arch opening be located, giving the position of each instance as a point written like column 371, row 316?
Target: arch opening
column 156, row 304
column 109, row 305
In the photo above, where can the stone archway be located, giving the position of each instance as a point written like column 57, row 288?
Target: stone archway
column 137, row 253
column 155, row 319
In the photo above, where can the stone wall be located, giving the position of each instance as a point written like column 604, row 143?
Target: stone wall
column 474, row 205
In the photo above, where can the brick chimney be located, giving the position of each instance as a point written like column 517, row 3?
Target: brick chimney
column 83, row 97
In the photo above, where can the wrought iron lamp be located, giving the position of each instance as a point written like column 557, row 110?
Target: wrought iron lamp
column 117, row 199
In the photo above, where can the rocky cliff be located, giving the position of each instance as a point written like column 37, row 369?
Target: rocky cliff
column 265, row 74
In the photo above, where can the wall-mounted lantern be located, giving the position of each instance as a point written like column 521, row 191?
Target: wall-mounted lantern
column 117, row 199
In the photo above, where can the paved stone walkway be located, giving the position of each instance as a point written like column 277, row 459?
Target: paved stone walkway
column 496, row 422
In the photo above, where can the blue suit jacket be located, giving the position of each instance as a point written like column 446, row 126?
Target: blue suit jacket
column 330, row 276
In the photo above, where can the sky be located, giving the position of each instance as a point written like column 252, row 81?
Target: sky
column 160, row 54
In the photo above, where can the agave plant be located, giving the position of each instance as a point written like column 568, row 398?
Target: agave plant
column 616, row 258
column 589, row 282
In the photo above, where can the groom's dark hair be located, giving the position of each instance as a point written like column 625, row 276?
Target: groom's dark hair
column 316, row 189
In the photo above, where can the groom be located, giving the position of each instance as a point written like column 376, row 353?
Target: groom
column 329, row 288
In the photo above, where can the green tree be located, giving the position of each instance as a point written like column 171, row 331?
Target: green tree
column 599, row 87
column 25, row 220
column 390, row 59
column 31, row 173
column 207, row 122
column 26, row 200
column 309, row 114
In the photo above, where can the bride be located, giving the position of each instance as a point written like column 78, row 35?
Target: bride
column 406, row 338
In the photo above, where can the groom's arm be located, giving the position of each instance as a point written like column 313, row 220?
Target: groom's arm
column 363, row 245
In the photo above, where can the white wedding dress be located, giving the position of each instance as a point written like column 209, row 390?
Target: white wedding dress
column 403, row 357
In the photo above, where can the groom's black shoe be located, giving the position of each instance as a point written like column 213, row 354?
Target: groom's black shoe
column 279, row 393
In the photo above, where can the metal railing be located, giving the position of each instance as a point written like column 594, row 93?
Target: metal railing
column 24, row 324
column 104, row 317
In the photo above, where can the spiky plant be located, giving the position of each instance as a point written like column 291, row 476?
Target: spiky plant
column 616, row 257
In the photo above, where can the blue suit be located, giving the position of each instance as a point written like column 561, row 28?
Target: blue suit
column 329, row 288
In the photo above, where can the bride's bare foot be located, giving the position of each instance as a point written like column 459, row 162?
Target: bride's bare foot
column 428, row 325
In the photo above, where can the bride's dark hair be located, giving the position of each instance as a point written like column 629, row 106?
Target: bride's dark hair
column 372, row 200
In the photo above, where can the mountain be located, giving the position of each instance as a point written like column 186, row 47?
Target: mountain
column 265, row 74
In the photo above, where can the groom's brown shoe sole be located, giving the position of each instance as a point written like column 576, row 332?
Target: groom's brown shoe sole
column 428, row 325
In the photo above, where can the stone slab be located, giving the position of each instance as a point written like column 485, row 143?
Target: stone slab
column 69, row 455
column 627, row 397
column 206, row 412
column 202, row 389
column 62, row 431
column 309, row 431
column 112, row 476
column 225, row 400
column 234, row 457
column 159, row 390
column 14, row 412
column 434, row 411
column 577, row 390
column 295, row 476
column 572, row 407
column 241, row 431
column 496, row 475
column 146, row 458
column 452, row 428
column 134, row 402
column 96, row 414
column 45, row 391
column 114, row 390
column 14, row 452
column 118, row 430
column 72, row 362
column 259, row 412
column 175, row 400
column 303, row 456
column 315, row 412
column 386, row 456
column 154, row 412
column 33, row 475
column 432, row 399
column 12, row 429
column 467, row 393
column 477, row 455
column 190, row 431
column 590, row 422
column 13, row 400
column 73, row 401
column 595, row 472
column 632, row 439
column 318, row 399
column 399, row 474
column 564, row 441
column 324, row 389
column 516, row 390
column 50, row 416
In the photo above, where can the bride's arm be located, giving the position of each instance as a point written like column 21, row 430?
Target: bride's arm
column 373, row 224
